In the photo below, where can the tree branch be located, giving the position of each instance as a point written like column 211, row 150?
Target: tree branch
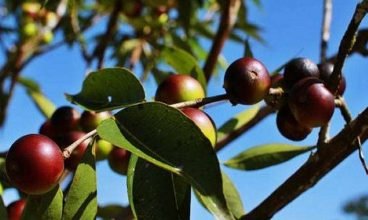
column 318, row 165
column 228, row 19
column 347, row 44
column 325, row 33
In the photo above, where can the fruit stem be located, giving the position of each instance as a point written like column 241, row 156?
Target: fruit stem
column 68, row 150
column 200, row 102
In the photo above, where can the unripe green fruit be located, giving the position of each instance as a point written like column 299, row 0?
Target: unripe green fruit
column 90, row 120
column 34, row 164
column 47, row 36
column 103, row 149
column 15, row 209
column 204, row 122
column 118, row 160
column 246, row 81
column 29, row 30
column 311, row 103
column 179, row 88
column 31, row 9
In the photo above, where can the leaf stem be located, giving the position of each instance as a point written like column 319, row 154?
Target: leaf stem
column 68, row 150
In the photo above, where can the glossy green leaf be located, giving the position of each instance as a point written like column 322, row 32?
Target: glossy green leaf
column 44, row 207
column 155, row 193
column 45, row 106
column 237, row 121
column 109, row 88
column 262, row 156
column 232, row 196
column 3, row 212
column 165, row 137
column 81, row 200
column 183, row 63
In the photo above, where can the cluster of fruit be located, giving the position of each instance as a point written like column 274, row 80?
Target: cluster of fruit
column 37, row 20
column 29, row 155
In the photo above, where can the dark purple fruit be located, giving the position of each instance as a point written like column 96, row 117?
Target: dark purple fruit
column 297, row 69
column 118, row 160
column 311, row 103
column 289, row 127
column 179, row 88
column 65, row 119
column 15, row 209
column 325, row 70
column 34, row 164
column 246, row 81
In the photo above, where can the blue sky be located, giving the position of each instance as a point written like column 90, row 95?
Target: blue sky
column 291, row 29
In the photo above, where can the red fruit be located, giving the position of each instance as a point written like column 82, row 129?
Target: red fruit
column 297, row 69
column 289, row 127
column 48, row 130
column 90, row 120
column 65, row 119
column 118, row 160
column 67, row 139
column 246, row 81
column 325, row 70
column 311, row 102
column 203, row 121
column 15, row 209
column 34, row 164
column 179, row 88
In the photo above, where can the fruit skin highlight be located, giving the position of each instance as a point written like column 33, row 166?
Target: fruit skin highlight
column 246, row 81
column 34, row 164
column 311, row 103
column 179, row 88
column 204, row 122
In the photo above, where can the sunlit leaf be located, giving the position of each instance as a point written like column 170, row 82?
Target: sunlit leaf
column 183, row 63
column 81, row 200
column 152, row 132
column 108, row 89
column 155, row 193
column 237, row 121
column 262, row 156
column 44, row 207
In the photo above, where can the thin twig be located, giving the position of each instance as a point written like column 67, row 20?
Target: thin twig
column 325, row 33
column 68, row 150
column 228, row 19
column 347, row 44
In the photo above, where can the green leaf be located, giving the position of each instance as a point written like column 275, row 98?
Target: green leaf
column 81, row 200
column 232, row 196
column 43, row 104
column 262, row 156
column 44, row 207
column 183, row 63
column 3, row 212
column 165, row 137
column 236, row 122
column 155, row 193
column 108, row 89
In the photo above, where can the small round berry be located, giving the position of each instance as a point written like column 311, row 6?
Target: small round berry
column 118, row 160
column 179, row 88
column 325, row 70
column 297, row 69
column 15, row 209
column 65, row 119
column 90, row 120
column 311, row 103
column 289, row 127
column 246, row 81
column 34, row 164
column 203, row 121
column 102, row 148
